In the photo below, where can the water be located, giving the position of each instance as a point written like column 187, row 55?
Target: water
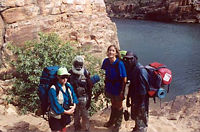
column 176, row 45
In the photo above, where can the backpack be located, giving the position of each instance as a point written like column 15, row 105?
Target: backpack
column 79, row 83
column 47, row 79
column 159, row 76
column 122, row 53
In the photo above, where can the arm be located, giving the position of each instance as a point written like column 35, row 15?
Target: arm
column 71, row 110
column 124, row 79
column 74, row 97
column 128, row 104
column 75, row 101
column 123, row 75
column 143, row 87
column 88, row 80
column 89, row 87
column 57, row 108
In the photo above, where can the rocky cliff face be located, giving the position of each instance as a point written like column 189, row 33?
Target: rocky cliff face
column 184, row 110
column 84, row 21
column 161, row 10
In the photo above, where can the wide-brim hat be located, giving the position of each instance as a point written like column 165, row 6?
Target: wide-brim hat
column 62, row 71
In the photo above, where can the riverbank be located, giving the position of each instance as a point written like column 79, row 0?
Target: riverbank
column 179, row 115
column 173, row 44
column 184, row 11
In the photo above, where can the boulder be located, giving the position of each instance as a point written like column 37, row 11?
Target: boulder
column 20, row 13
column 11, row 110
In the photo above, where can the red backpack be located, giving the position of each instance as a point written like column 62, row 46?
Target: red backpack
column 160, row 76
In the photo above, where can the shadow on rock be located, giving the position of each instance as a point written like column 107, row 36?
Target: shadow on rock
column 22, row 126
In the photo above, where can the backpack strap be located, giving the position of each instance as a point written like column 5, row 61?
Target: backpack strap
column 88, row 80
column 57, row 89
column 168, row 88
column 116, row 66
column 67, row 90
column 86, row 73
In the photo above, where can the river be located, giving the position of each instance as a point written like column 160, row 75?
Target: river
column 175, row 45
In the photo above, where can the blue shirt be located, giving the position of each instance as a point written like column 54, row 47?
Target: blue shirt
column 113, row 73
column 58, row 108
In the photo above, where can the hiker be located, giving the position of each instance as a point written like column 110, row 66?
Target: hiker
column 80, row 80
column 115, row 81
column 63, row 101
column 138, row 77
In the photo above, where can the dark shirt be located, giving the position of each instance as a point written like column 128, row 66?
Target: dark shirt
column 138, row 85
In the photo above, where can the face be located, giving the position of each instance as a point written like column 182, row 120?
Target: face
column 62, row 79
column 111, row 52
column 78, row 65
column 130, row 61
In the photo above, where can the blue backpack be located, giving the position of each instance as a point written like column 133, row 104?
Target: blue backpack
column 47, row 79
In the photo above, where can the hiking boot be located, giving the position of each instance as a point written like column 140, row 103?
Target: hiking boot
column 77, row 128
column 112, row 118
column 108, row 124
column 134, row 129
column 116, row 129
column 86, row 131
column 139, row 129
column 118, row 121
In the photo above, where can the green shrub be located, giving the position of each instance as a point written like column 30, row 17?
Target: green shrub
column 33, row 57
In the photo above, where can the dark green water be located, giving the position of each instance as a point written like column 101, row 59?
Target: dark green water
column 176, row 45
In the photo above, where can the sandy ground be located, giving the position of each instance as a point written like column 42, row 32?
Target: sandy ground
column 14, row 123
column 180, row 115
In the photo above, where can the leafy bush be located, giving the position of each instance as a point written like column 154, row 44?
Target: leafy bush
column 33, row 57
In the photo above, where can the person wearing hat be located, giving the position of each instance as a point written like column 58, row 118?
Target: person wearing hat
column 122, row 53
column 80, row 80
column 138, row 77
column 115, row 81
column 63, row 101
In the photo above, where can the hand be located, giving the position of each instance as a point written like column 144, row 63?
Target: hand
column 128, row 104
column 73, row 106
column 69, row 112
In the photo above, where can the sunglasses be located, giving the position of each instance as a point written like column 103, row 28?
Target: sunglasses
column 128, row 59
column 64, row 76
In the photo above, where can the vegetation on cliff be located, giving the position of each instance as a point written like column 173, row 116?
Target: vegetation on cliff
column 33, row 57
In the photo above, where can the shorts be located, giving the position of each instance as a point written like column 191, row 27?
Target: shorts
column 59, row 124
column 113, row 97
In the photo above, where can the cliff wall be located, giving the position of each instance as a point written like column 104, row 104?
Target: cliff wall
column 160, row 10
column 84, row 21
